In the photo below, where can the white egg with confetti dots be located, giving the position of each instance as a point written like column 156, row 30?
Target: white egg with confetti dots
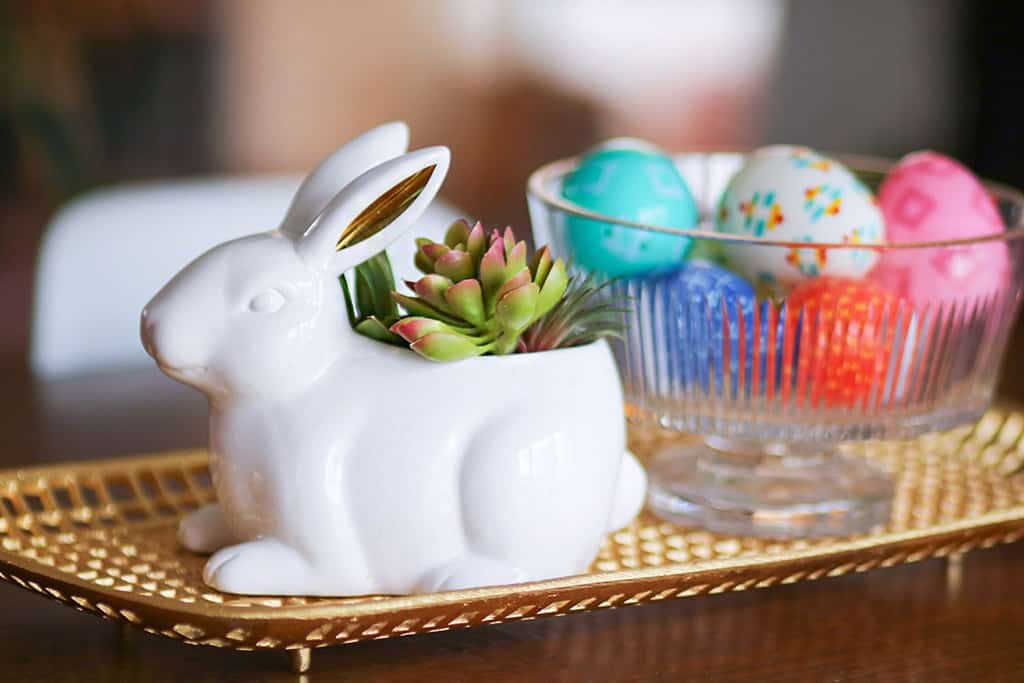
column 794, row 194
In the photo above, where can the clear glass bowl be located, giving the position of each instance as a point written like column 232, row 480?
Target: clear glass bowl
column 775, row 384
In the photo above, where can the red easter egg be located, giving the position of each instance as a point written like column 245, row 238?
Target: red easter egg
column 846, row 329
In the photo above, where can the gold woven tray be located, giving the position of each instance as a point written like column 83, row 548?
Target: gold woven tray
column 100, row 537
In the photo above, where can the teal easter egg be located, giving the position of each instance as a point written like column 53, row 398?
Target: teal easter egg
column 640, row 185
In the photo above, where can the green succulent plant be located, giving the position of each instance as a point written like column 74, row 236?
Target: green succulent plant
column 372, row 311
column 478, row 294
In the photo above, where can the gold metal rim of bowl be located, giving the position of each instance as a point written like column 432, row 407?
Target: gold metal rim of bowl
column 535, row 187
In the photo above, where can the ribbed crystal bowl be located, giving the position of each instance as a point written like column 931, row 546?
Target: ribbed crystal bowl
column 775, row 381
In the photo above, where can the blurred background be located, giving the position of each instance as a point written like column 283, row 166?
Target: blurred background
column 112, row 91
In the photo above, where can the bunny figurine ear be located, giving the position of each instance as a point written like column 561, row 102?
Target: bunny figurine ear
column 338, row 170
column 374, row 210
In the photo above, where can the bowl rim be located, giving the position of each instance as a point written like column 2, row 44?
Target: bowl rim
column 536, row 188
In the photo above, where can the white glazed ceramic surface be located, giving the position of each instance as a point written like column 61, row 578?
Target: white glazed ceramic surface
column 344, row 466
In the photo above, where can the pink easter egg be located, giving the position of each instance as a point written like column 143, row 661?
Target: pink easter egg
column 929, row 197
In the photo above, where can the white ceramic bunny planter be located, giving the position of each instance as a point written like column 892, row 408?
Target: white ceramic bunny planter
column 344, row 466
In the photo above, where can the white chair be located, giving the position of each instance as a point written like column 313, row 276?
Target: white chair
column 105, row 254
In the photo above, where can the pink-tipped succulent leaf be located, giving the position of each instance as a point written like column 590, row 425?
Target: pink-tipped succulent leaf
column 446, row 346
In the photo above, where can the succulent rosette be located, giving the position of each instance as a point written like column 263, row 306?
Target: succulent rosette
column 479, row 293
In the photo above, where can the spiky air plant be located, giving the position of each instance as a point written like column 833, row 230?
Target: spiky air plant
column 478, row 293
column 585, row 314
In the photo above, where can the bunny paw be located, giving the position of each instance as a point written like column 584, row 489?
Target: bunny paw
column 205, row 530
column 470, row 572
column 262, row 567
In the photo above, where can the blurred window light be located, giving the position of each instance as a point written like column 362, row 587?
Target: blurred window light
column 629, row 50
column 627, row 57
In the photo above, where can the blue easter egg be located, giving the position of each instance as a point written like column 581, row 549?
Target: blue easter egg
column 639, row 185
column 699, row 300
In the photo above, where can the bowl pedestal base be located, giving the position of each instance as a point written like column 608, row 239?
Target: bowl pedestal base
column 779, row 490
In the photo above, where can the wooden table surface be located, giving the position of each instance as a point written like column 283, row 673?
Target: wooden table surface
column 907, row 623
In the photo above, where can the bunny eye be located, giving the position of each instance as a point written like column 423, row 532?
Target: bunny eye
column 268, row 301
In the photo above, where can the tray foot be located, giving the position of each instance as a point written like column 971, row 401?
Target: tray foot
column 954, row 573
column 300, row 659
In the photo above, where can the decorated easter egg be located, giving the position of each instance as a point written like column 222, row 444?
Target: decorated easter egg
column 929, row 197
column 847, row 330
column 632, row 183
column 794, row 194
column 714, row 330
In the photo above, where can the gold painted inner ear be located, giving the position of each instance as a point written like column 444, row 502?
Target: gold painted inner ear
column 385, row 209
